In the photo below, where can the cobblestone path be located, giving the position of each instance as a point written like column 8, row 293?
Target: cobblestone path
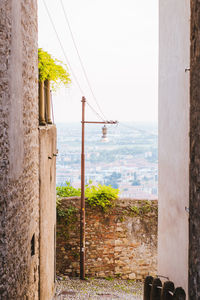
column 94, row 289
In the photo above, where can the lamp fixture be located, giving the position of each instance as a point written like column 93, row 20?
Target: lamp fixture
column 104, row 134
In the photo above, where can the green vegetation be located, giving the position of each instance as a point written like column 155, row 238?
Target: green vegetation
column 143, row 210
column 68, row 190
column 109, row 278
column 96, row 196
column 68, row 213
column 52, row 69
column 101, row 195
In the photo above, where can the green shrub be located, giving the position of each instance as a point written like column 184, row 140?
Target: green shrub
column 101, row 196
column 68, row 190
column 52, row 69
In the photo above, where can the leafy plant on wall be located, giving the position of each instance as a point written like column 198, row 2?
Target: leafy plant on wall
column 97, row 196
column 101, row 195
column 52, row 69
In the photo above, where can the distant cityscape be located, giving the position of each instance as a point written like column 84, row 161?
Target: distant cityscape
column 127, row 161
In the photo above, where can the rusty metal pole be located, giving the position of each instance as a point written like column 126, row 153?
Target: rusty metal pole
column 82, row 212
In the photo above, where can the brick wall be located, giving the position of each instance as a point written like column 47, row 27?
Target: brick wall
column 119, row 243
column 19, row 159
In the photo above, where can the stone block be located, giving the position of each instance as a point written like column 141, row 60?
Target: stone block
column 132, row 276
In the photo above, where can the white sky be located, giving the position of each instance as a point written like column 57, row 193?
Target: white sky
column 118, row 43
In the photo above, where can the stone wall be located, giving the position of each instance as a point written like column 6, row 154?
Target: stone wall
column 119, row 243
column 19, row 159
column 194, row 220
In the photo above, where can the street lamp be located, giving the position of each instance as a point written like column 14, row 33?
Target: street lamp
column 104, row 134
column 82, row 211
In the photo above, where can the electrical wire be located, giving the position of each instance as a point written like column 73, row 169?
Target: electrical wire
column 98, row 115
column 80, row 60
column 137, row 129
column 67, row 60
column 63, row 50
column 90, row 106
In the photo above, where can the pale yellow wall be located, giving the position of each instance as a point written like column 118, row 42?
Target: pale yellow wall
column 47, row 139
column 174, row 58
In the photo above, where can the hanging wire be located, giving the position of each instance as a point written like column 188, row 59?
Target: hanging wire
column 63, row 50
column 67, row 60
column 90, row 106
column 141, row 130
column 98, row 115
column 80, row 59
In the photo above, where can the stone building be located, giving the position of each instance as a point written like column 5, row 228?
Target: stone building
column 27, row 177
column 27, row 164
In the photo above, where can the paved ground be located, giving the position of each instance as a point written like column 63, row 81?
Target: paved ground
column 94, row 289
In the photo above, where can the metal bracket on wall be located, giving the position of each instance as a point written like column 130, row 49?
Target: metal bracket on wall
column 187, row 209
column 53, row 155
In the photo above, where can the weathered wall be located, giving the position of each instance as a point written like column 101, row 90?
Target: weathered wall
column 19, row 159
column 173, row 197
column 121, row 242
column 47, row 140
column 194, row 232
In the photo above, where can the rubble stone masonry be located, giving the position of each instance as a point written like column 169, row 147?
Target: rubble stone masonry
column 19, row 159
column 121, row 242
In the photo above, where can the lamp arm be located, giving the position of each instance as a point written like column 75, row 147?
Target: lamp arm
column 96, row 122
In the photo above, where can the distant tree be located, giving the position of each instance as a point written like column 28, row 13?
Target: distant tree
column 113, row 180
column 136, row 183
column 115, row 185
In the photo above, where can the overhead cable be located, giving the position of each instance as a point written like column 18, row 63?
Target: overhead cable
column 67, row 60
column 63, row 50
column 137, row 129
column 98, row 115
column 81, row 62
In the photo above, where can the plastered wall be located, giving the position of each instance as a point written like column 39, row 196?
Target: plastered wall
column 174, row 105
column 47, row 139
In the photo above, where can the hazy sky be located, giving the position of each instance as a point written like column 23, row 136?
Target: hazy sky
column 118, row 43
